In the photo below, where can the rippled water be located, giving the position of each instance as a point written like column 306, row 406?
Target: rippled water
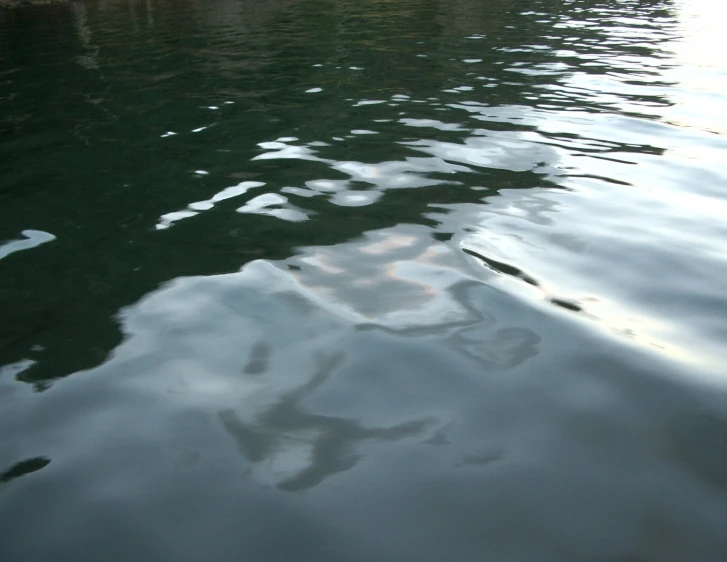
column 353, row 281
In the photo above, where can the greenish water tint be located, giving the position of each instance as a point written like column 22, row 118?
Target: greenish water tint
column 350, row 281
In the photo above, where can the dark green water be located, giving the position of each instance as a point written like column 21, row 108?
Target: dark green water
column 417, row 280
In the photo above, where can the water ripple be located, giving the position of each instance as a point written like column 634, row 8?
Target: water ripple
column 363, row 281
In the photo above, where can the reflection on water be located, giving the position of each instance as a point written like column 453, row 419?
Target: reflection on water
column 32, row 239
column 301, row 449
column 414, row 280
column 24, row 467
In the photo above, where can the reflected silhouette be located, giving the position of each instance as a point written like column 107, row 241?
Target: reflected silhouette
column 297, row 449
column 24, row 467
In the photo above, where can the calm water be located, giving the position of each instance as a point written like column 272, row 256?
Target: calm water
column 344, row 281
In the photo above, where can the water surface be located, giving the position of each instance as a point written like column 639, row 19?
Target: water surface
column 355, row 281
